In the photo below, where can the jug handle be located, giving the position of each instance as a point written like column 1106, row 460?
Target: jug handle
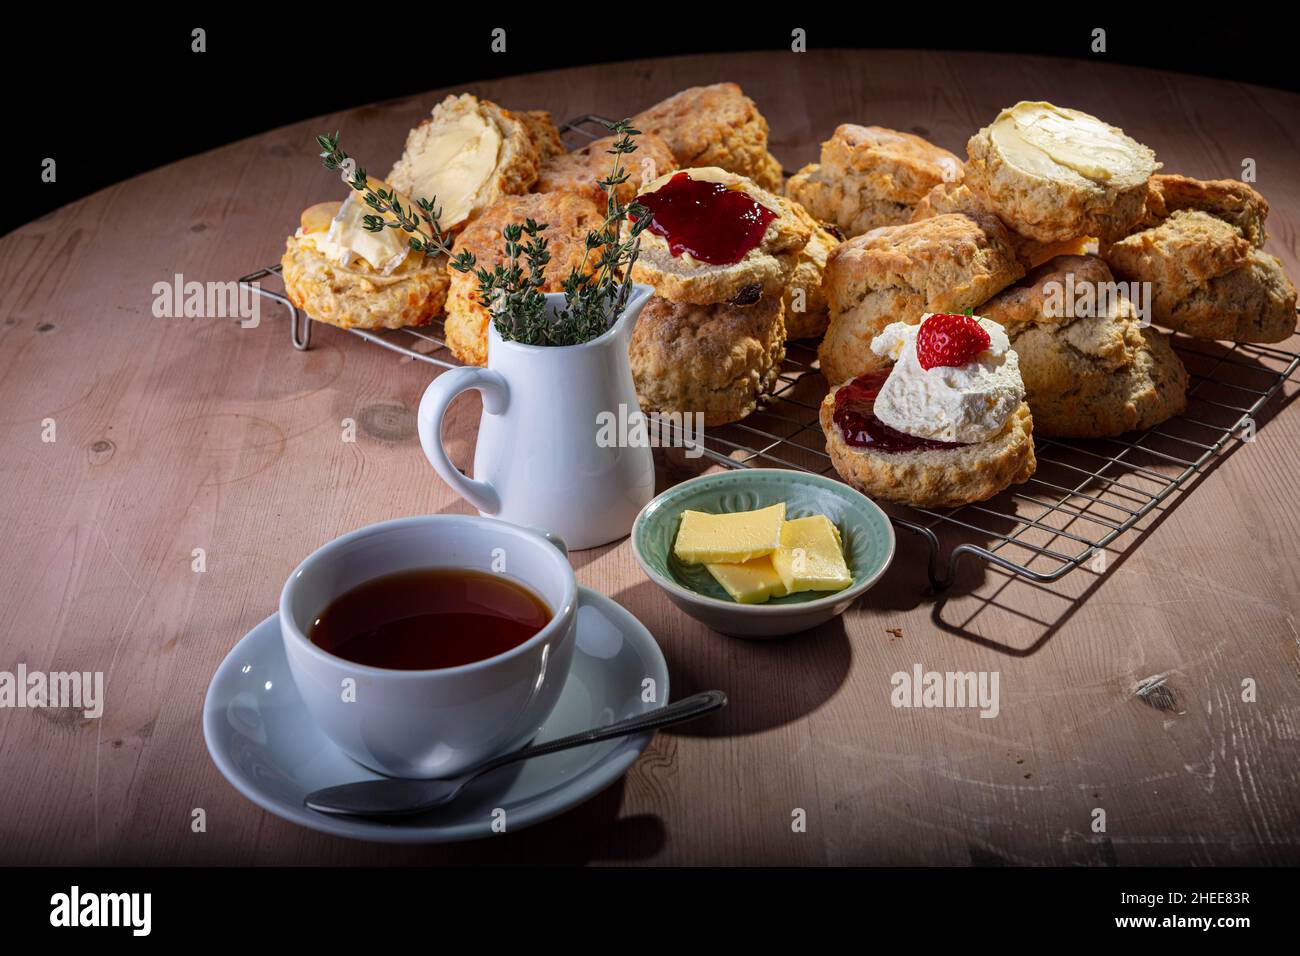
column 433, row 407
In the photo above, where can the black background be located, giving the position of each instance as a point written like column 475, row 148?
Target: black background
column 109, row 97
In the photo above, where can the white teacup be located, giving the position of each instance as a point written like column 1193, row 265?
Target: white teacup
column 431, row 723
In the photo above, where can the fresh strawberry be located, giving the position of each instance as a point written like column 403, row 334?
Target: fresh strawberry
column 947, row 339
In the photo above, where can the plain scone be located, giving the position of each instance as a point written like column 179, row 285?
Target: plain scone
column 581, row 170
column 569, row 217
column 542, row 132
column 1207, row 279
column 714, row 125
column 1233, row 202
column 765, row 268
column 1088, row 376
column 870, row 176
column 806, row 311
column 514, row 172
column 946, row 263
column 715, row 359
column 1044, row 198
column 935, row 478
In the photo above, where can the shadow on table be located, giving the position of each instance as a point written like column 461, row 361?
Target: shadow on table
column 767, row 682
column 959, row 610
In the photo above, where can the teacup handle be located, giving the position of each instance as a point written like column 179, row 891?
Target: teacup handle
column 433, row 407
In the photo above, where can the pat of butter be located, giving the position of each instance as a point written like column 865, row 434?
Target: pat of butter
column 729, row 538
column 811, row 557
column 348, row 236
column 750, row 583
column 1042, row 139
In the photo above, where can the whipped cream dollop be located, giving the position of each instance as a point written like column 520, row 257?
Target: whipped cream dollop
column 969, row 403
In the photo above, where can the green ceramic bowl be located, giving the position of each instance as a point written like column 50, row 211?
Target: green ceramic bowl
column 866, row 532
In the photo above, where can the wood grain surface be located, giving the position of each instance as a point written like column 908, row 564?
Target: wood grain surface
column 176, row 434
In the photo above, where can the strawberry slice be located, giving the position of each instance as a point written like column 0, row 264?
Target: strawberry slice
column 948, row 339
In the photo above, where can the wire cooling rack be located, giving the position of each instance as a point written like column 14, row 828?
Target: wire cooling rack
column 1083, row 497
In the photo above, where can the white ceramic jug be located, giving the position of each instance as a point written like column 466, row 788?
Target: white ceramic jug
column 543, row 457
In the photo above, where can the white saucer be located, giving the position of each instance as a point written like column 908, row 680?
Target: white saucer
column 261, row 738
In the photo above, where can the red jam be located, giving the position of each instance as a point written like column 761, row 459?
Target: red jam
column 855, row 417
column 710, row 221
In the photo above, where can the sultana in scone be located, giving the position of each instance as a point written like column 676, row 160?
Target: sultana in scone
column 806, row 311
column 1090, row 368
column 946, row 263
column 759, row 260
column 580, row 171
column 934, row 478
column 1207, row 279
column 715, row 359
column 1055, row 174
column 715, row 125
column 343, row 275
column 568, row 218
column 468, row 154
column 870, row 176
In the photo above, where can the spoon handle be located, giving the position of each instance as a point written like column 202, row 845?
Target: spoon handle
column 688, row 708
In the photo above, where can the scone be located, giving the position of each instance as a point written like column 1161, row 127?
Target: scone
column 542, row 132
column 1233, row 202
column 580, row 171
column 1207, row 279
column 1091, row 370
column 339, row 273
column 806, row 311
column 870, row 176
column 714, row 125
column 464, row 157
column 568, row 218
column 946, row 263
column 1055, row 174
column 715, row 359
column 947, row 425
column 960, row 198
column 717, row 237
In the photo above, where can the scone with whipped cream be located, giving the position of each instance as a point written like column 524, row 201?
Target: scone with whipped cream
column 895, row 273
column 1056, row 174
column 339, row 272
column 870, row 176
column 715, row 125
column 467, row 155
column 1092, row 368
column 582, row 170
column 946, row 425
column 718, row 360
column 1207, row 279
column 569, row 218
column 717, row 237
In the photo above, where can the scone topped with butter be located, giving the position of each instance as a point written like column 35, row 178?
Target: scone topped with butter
column 341, row 273
column 946, row 425
column 715, row 236
column 1056, row 174
column 468, row 154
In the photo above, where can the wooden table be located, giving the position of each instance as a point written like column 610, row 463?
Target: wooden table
column 177, row 434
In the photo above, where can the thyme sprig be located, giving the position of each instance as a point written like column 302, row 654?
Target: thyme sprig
column 408, row 217
column 594, row 292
